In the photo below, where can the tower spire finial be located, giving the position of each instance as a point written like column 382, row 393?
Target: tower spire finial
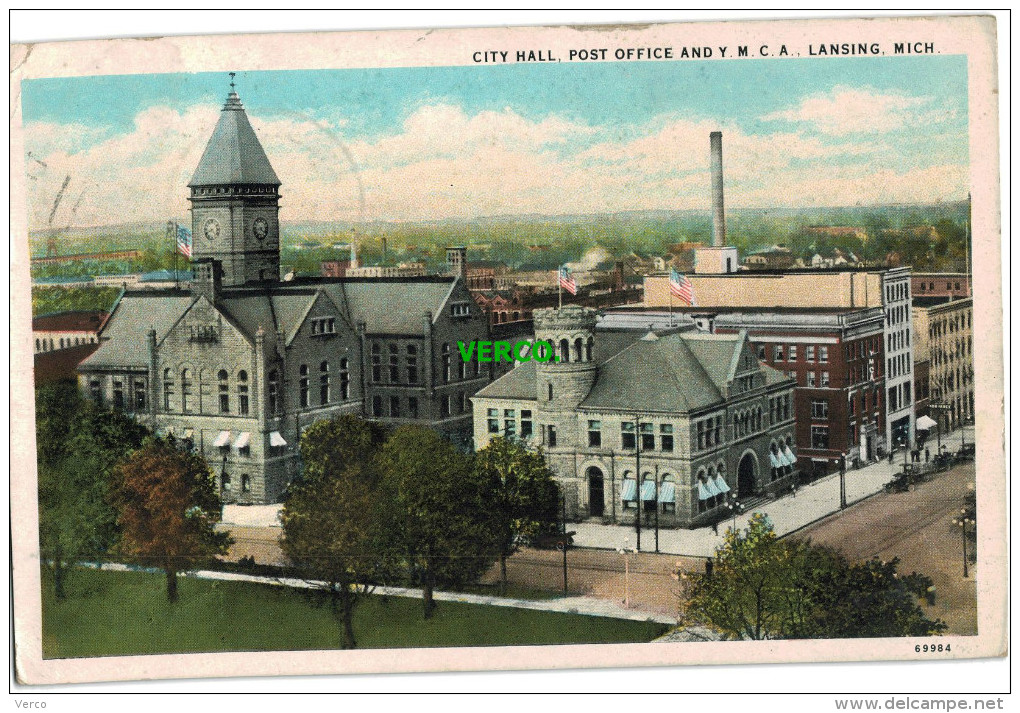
column 232, row 75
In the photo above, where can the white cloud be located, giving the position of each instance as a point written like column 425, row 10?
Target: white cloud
column 445, row 162
column 847, row 110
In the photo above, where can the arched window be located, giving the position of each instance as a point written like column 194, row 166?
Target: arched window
column 168, row 389
column 186, row 390
column 410, row 361
column 242, row 392
column 589, row 348
column 303, row 384
column 564, row 350
column 394, row 363
column 345, row 380
column 224, row 391
column 447, row 363
column 324, row 383
column 274, row 392
column 578, row 349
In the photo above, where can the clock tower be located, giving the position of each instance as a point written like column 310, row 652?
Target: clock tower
column 235, row 197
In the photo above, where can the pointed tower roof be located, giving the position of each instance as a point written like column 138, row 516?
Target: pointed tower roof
column 234, row 154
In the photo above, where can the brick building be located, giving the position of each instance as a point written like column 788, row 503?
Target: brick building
column 63, row 330
column 945, row 341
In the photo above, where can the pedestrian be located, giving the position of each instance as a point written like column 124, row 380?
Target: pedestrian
column 927, row 455
column 708, row 568
column 793, row 489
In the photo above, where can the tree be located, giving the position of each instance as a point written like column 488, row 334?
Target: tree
column 522, row 496
column 78, row 444
column 168, row 507
column 439, row 517
column 330, row 518
column 762, row 587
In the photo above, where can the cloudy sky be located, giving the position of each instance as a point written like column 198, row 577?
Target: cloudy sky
column 457, row 142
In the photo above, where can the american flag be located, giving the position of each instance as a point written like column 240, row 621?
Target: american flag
column 681, row 287
column 567, row 281
column 183, row 241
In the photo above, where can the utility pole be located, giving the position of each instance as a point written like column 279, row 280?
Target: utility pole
column 637, row 477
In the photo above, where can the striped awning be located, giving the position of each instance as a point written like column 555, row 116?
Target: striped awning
column 243, row 439
column 775, row 461
column 790, row 457
column 276, row 440
column 710, row 487
column 667, row 492
column 703, row 493
column 629, row 490
column 648, row 490
column 720, row 484
column 222, row 439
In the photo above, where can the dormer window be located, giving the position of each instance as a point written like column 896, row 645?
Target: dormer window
column 460, row 309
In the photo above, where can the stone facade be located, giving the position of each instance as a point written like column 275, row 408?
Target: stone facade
column 720, row 418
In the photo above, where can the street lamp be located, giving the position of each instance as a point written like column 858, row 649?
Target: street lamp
column 962, row 523
column 842, row 482
column 625, row 551
column 734, row 507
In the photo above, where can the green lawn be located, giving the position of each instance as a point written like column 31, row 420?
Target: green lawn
column 124, row 613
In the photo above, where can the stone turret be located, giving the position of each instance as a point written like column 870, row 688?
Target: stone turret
column 564, row 382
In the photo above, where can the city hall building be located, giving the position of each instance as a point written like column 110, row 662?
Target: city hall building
column 238, row 364
column 676, row 423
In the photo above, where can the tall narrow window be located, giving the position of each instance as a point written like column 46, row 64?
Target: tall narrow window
column 139, row 395
column 274, row 393
column 411, row 361
column 493, row 420
column 551, row 436
column 376, row 363
column 447, row 363
column 647, row 437
column 168, row 390
column 666, row 438
column 526, row 424
column 564, row 350
column 510, row 422
column 628, row 436
column 394, row 364
column 594, row 434
column 303, row 385
column 377, row 406
column 823, row 354
column 324, row 383
column 118, row 393
column 242, row 392
column 224, row 391
column 444, row 406
column 186, row 390
column 394, row 407
column 345, row 380
column 412, row 406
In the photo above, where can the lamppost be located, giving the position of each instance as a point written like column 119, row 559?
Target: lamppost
column 842, row 482
column 637, row 478
column 734, row 507
column 625, row 551
column 962, row 523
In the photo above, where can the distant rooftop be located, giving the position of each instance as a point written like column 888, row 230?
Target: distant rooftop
column 70, row 321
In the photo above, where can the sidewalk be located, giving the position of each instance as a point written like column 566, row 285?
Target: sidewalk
column 788, row 513
column 567, row 605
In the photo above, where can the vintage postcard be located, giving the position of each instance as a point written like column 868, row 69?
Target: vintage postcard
column 507, row 348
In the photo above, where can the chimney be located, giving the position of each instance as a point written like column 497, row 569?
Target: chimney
column 208, row 278
column 456, row 261
column 718, row 212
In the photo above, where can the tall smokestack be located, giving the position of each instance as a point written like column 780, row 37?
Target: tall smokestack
column 718, row 212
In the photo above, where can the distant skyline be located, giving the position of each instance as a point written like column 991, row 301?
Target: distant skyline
column 459, row 142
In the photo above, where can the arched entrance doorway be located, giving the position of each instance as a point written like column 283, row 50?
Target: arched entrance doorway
column 746, row 476
column 596, row 493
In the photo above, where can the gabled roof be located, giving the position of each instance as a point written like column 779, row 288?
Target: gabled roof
column 70, row 321
column 124, row 337
column 234, row 154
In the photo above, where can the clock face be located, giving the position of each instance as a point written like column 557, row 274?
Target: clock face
column 260, row 228
column 211, row 229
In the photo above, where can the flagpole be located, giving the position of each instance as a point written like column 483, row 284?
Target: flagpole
column 671, row 304
column 559, row 285
column 177, row 285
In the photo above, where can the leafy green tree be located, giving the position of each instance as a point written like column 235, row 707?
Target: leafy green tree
column 78, row 444
column 762, row 587
column 521, row 493
column 439, row 519
column 330, row 519
column 167, row 510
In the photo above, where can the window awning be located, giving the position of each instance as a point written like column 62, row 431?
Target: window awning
column 710, row 487
column 776, row 463
column 790, row 457
column 703, row 493
column 276, row 440
column 720, row 484
column 648, row 490
column 222, row 439
column 629, row 490
column 243, row 439
column 667, row 492
column 926, row 423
